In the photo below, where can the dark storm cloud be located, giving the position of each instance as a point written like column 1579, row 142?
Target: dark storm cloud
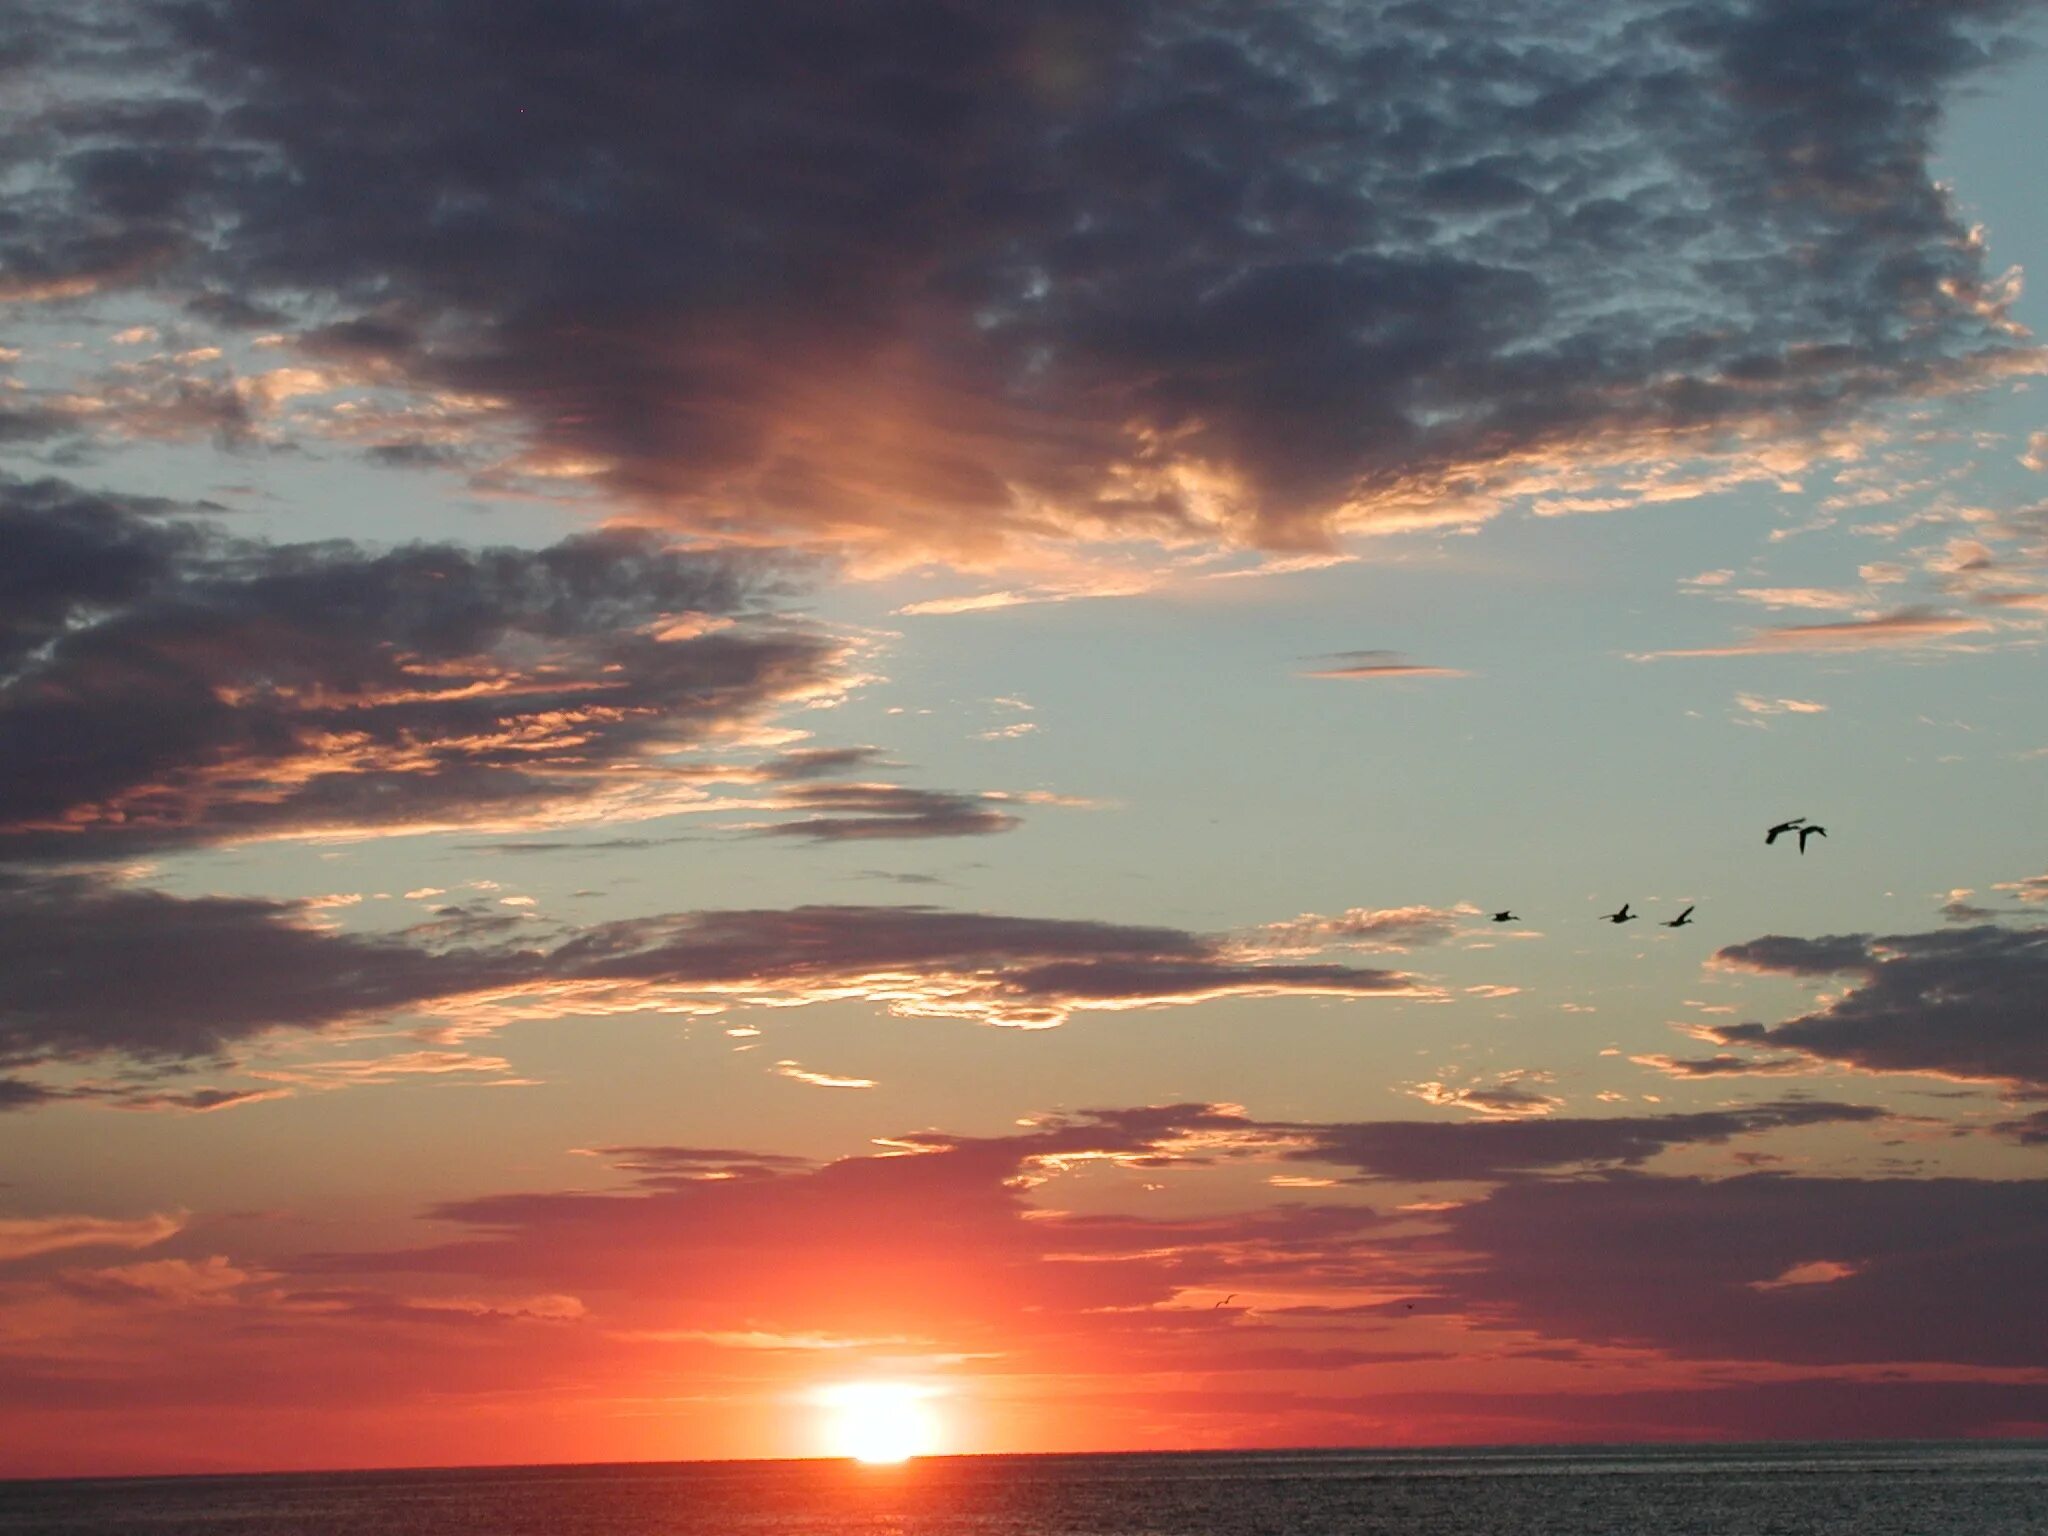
column 164, row 684
column 938, row 271
column 90, row 966
column 1964, row 1003
column 1765, row 1266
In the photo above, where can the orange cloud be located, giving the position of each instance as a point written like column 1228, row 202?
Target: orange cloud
column 1903, row 627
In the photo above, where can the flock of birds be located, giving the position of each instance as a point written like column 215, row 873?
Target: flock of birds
column 1798, row 824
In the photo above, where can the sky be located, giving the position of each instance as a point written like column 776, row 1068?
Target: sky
column 724, row 721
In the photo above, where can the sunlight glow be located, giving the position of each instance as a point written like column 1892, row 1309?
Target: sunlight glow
column 879, row 1421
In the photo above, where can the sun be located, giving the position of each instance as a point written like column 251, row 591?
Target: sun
column 879, row 1422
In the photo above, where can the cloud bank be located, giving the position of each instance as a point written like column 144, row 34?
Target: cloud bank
column 940, row 277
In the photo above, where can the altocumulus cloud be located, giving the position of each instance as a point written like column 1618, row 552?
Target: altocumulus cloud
column 940, row 276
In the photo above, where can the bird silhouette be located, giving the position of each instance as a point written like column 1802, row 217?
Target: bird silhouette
column 1226, row 1301
column 1684, row 919
column 1806, row 832
column 1771, row 836
column 1623, row 916
column 1505, row 917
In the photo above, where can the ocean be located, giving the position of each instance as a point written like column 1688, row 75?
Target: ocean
column 1975, row 1489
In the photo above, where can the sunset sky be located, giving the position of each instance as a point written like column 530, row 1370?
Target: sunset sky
column 715, row 710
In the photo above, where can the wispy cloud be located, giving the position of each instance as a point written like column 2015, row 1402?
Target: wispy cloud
column 23, row 1237
column 1366, row 666
column 1394, row 928
column 800, row 1073
column 1902, row 627
column 1753, row 704
column 861, row 812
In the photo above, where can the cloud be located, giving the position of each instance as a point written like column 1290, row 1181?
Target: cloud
column 660, row 1164
column 1801, row 597
column 952, row 1255
column 20, row 1093
column 1961, row 1003
column 859, row 812
column 382, row 1071
column 198, row 1101
column 1689, row 1266
column 1726, row 1064
column 920, row 962
column 1425, row 1151
column 1751, row 704
column 798, row 1072
column 1365, row 665
column 1904, row 626
column 164, row 684
column 2028, row 1130
column 1923, row 1269
column 1510, row 1096
column 165, row 1001
column 2033, row 889
column 1001, row 272
column 24, row 1237
column 1395, row 928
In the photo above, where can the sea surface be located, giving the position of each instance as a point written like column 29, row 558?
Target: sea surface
column 1977, row 1489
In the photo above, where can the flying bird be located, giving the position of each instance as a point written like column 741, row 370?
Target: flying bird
column 1505, row 917
column 1806, row 832
column 1684, row 919
column 1771, row 836
column 1623, row 916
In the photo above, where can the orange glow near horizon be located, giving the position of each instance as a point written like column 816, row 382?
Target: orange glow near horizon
column 879, row 1422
